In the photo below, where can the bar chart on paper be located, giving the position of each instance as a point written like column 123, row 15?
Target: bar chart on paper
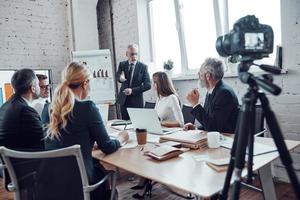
column 99, row 65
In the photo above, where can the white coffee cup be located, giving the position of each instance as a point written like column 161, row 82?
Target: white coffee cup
column 213, row 140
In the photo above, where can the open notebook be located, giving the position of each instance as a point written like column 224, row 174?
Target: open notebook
column 163, row 152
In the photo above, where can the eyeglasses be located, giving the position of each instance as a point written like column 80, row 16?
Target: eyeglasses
column 134, row 54
column 44, row 87
column 200, row 74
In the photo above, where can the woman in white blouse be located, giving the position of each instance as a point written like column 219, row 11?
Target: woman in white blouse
column 167, row 104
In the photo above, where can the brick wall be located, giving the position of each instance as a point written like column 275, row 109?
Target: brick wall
column 125, row 25
column 34, row 34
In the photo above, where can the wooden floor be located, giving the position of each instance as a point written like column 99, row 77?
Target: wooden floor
column 284, row 191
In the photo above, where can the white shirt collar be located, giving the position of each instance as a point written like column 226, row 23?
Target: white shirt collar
column 27, row 102
column 210, row 91
column 134, row 62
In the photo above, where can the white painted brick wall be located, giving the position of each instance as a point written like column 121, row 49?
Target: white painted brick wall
column 34, row 34
column 125, row 25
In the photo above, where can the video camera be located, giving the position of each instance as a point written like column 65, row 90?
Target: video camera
column 248, row 39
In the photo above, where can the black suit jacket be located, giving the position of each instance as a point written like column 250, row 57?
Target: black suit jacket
column 220, row 111
column 20, row 125
column 140, row 83
column 84, row 127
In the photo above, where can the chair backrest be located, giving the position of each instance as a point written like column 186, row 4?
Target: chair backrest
column 149, row 105
column 10, row 156
column 259, row 129
column 187, row 116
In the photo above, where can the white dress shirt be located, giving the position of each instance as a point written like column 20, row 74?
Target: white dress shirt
column 38, row 104
column 27, row 101
column 168, row 109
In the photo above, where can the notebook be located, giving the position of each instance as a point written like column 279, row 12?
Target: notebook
column 164, row 152
column 194, row 139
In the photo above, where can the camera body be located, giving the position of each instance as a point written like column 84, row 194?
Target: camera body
column 248, row 38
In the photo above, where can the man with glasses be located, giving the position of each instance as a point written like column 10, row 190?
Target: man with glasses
column 42, row 102
column 134, row 78
column 220, row 109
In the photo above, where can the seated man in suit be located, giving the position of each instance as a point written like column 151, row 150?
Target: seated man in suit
column 20, row 126
column 134, row 77
column 220, row 109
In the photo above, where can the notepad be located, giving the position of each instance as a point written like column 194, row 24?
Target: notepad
column 219, row 165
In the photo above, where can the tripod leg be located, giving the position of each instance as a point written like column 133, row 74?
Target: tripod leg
column 224, row 193
column 251, row 144
column 280, row 144
column 242, row 142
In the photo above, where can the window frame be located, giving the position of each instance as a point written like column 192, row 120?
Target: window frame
column 222, row 27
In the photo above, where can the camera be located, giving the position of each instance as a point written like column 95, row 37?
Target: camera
column 248, row 39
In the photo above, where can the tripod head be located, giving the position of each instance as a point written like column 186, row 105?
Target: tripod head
column 265, row 81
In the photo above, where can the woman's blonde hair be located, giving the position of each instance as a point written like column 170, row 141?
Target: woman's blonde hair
column 63, row 101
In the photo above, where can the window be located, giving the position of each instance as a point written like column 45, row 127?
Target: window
column 164, row 34
column 185, row 31
column 199, row 30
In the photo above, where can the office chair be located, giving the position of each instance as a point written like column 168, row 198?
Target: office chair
column 149, row 105
column 187, row 116
column 29, row 181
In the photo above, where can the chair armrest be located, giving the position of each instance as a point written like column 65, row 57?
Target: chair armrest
column 96, row 185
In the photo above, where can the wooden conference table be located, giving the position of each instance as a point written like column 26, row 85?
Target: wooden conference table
column 187, row 172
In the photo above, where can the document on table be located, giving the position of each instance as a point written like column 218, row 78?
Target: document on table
column 259, row 148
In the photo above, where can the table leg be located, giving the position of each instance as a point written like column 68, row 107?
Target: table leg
column 267, row 184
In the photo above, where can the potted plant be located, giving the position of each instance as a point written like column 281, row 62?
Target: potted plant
column 168, row 66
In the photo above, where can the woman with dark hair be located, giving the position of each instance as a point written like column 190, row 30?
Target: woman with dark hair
column 167, row 104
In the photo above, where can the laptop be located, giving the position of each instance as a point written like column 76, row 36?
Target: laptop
column 148, row 119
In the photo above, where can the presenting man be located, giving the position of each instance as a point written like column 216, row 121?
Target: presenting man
column 220, row 109
column 134, row 77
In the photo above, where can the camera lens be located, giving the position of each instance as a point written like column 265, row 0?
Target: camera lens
column 223, row 45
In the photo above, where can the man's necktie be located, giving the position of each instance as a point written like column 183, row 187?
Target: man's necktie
column 45, row 113
column 207, row 101
column 130, row 73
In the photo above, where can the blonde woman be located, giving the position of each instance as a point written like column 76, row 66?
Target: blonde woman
column 74, row 120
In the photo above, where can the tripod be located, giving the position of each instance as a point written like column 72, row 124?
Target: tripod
column 245, row 132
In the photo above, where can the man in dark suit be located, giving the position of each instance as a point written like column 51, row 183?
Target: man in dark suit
column 134, row 77
column 21, row 129
column 220, row 109
column 20, row 124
